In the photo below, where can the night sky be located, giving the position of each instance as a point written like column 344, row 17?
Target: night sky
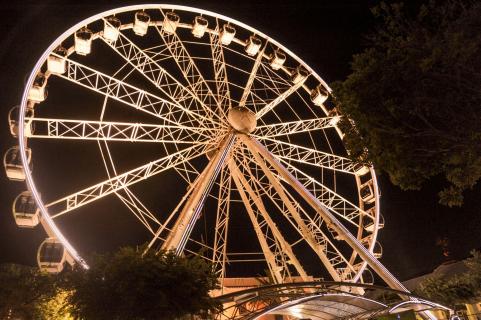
column 324, row 34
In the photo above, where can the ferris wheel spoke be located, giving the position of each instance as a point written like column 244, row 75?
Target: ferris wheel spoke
column 252, row 76
column 292, row 152
column 121, row 181
column 291, row 212
column 189, row 214
column 293, row 127
column 281, row 247
column 219, row 252
column 275, row 261
column 125, row 195
column 328, row 217
column 115, row 131
column 132, row 96
column 337, row 204
column 187, row 66
column 153, row 72
column 283, row 96
column 220, row 71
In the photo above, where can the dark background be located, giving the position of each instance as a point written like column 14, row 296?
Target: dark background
column 324, row 34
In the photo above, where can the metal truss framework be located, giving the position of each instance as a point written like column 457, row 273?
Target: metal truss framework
column 192, row 85
column 321, row 300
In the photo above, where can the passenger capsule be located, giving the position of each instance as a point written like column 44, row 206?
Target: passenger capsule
column 366, row 191
column 277, row 59
column 170, row 23
column 13, row 163
column 38, row 91
column 369, row 225
column 56, row 62
column 111, row 29
column 25, row 210
column 13, row 116
column 200, row 26
column 51, row 256
column 377, row 250
column 141, row 23
column 227, row 34
column 319, row 95
column 83, row 41
column 299, row 75
column 253, row 45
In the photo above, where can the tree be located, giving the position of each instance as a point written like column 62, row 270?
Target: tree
column 414, row 97
column 127, row 285
column 459, row 289
column 23, row 291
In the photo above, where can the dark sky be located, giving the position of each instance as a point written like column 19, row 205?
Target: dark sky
column 324, row 34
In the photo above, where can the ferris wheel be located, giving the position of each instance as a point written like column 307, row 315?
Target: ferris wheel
column 243, row 124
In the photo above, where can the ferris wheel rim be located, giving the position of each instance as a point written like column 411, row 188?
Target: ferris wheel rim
column 50, row 224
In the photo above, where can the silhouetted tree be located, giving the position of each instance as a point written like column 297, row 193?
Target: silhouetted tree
column 459, row 289
column 23, row 291
column 415, row 96
column 127, row 285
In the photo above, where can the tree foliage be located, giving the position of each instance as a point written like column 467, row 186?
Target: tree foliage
column 415, row 96
column 459, row 289
column 127, row 285
column 23, row 292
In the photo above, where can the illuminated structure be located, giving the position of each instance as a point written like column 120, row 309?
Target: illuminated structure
column 240, row 118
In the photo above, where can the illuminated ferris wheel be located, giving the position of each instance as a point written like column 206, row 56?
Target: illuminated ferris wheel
column 245, row 126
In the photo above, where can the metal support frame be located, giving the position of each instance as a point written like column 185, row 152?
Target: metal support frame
column 177, row 239
column 354, row 243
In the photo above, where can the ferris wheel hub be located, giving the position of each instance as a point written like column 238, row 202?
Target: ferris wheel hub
column 242, row 119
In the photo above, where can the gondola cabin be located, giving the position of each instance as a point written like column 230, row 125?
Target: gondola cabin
column 38, row 91
column 13, row 163
column 51, row 256
column 277, row 59
column 13, row 116
column 299, row 75
column 141, row 23
column 227, row 34
column 83, row 41
column 170, row 23
column 199, row 27
column 319, row 95
column 25, row 211
column 366, row 192
column 56, row 62
column 111, row 29
column 253, row 45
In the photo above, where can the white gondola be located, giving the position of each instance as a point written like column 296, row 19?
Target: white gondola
column 25, row 210
column 360, row 170
column 335, row 117
column 13, row 121
column 319, row 95
column 38, row 91
column 56, row 63
column 369, row 225
column 277, row 59
column 299, row 75
column 83, row 41
column 170, row 23
column 200, row 26
column 377, row 250
column 13, row 163
column 51, row 256
column 227, row 34
column 253, row 45
column 111, row 29
column 334, row 233
column 366, row 191
column 141, row 23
